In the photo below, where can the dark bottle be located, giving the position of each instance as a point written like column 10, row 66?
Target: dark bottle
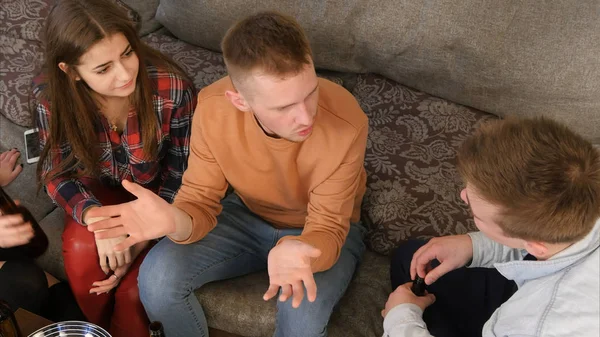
column 156, row 329
column 418, row 286
column 8, row 323
column 38, row 244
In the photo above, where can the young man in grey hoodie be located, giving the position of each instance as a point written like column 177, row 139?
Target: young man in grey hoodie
column 533, row 188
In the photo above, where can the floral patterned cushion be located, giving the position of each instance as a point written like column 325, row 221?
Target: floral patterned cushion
column 24, row 19
column 21, row 55
column 413, row 186
column 204, row 66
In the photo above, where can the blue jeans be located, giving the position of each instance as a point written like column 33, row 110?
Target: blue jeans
column 238, row 245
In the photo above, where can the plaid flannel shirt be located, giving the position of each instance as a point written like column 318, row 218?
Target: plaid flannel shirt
column 122, row 155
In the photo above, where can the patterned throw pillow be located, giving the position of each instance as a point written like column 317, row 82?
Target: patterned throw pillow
column 20, row 55
column 412, row 183
column 203, row 66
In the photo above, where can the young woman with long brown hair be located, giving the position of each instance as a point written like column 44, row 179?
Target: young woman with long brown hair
column 110, row 109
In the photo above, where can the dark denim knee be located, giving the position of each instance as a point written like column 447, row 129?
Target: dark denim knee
column 401, row 258
column 24, row 284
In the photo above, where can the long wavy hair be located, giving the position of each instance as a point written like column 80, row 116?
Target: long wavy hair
column 72, row 27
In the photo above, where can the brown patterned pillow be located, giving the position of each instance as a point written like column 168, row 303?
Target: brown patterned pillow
column 20, row 61
column 20, row 49
column 23, row 19
column 412, row 183
column 203, row 66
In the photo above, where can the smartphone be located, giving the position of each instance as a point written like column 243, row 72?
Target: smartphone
column 32, row 145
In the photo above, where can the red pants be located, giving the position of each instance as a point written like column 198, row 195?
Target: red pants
column 119, row 311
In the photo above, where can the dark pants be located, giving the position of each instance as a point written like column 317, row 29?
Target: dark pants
column 465, row 298
column 24, row 285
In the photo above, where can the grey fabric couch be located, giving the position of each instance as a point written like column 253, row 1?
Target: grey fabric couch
column 425, row 72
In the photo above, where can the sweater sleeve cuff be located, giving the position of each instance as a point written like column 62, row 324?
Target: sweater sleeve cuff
column 478, row 240
column 404, row 317
column 82, row 206
column 200, row 225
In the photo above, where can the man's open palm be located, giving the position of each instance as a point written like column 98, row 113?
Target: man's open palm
column 289, row 267
column 148, row 217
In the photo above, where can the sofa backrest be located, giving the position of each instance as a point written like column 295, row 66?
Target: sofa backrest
column 504, row 57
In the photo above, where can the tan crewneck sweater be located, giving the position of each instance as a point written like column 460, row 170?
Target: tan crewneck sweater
column 317, row 184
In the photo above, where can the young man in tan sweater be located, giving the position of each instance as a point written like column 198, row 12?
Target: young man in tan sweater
column 292, row 147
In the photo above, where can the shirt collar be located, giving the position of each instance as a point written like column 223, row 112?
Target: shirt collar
column 521, row 271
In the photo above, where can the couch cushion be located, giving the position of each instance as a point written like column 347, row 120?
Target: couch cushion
column 506, row 57
column 20, row 50
column 204, row 66
column 52, row 260
column 24, row 19
column 146, row 9
column 412, row 182
column 20, row 60
column 357, row 314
